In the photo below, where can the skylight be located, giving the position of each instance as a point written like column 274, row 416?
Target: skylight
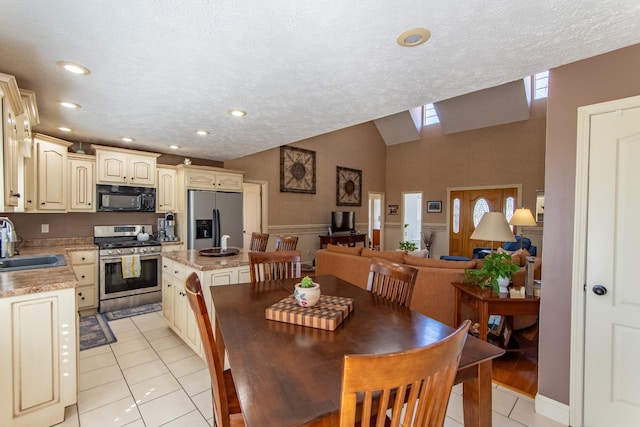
column 430, row 115
column 541, row 85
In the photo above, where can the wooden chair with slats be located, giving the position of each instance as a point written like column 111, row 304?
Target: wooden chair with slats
column 226, row 407
column 422, row 378
column 274, row 265
column 286, row 243
column 259, row 242
column 392, row 281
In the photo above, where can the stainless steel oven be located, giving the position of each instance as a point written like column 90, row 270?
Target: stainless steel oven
column 118, row 244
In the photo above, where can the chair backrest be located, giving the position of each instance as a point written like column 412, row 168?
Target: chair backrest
column 259, row 242
column 274, row 265
column 392, row 281
column 286, row 243
column 193, row 289
column 421, row 377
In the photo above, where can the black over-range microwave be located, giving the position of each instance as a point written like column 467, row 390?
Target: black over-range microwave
column 122, row 198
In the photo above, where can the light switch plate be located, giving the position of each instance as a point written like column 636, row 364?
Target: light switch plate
column 44, row 228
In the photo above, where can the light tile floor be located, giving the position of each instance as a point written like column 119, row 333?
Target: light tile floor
column 151, row 378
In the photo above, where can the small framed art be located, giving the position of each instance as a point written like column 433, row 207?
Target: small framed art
column 348, row 187
column 297, row 170
column 434, row 206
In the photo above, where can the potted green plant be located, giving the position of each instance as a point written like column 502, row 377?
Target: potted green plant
column 496, row 270
column 408, row 246
column 307, row 292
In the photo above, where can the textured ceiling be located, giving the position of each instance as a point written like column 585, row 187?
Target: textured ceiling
column 163, row 68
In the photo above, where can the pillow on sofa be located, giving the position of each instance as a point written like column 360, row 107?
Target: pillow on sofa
column 356, row 250
column 519, row 257
column 393, row 256
column 438, row 263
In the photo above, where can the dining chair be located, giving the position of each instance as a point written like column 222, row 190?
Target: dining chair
column 226, row 406
column 421, row 378
column 286, row 243
column 392, row 281
column 259, row 242
column 274, row 265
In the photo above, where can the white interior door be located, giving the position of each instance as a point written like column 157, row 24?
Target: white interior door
column 612, row 310
column 252, row 210
column 412, row 218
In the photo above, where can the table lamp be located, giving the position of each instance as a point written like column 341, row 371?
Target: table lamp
column 522, row 217
column 494, row 227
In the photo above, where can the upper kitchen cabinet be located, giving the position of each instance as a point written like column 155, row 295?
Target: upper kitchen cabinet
column 208, row 178
column 12, row 108
column 46, row 174
column 125, row 167
column 82, row 187
column 167, row 186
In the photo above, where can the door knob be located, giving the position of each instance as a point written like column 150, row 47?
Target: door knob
column 599, row 290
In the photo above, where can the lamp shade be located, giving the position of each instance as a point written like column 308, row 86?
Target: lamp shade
column 523, row 216
column 493, row 226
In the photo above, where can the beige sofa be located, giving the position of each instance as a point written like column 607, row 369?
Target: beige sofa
column 433, row 294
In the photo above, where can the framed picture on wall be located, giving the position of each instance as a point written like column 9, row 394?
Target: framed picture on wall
column 348, row 187
column 434, row 206
column 297, row 170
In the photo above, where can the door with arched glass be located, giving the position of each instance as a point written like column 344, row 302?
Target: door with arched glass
column 466, row 210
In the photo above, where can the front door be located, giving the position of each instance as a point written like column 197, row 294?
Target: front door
column 612, row 311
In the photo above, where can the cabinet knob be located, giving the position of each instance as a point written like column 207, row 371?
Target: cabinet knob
column 83, row 258
column 79, row 294
column 83, row 276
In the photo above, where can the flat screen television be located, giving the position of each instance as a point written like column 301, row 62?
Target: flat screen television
column 343, row 221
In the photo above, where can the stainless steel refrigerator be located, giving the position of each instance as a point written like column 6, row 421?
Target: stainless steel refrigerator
column 212, row 214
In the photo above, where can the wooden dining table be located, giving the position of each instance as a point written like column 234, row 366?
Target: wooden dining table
column 290, row 375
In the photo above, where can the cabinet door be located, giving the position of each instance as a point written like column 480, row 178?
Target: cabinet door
column 229, row 182
column 52, row 177
column 82, row 186
column 87, row 297
column 111, row 167
column 11, row 192
column 203, row 180
column 166, row 190
column 167, row 299
column 142, row 170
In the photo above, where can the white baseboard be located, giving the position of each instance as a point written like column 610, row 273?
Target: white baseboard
column 552, row 409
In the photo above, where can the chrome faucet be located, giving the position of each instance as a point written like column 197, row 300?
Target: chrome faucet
column 8, row 238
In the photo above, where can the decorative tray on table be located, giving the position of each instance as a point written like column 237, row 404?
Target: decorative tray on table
column 218, row 252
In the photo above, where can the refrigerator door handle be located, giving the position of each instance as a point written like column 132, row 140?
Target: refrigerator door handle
column 215, row 233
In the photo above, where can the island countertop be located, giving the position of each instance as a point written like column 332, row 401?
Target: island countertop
column 192, row 258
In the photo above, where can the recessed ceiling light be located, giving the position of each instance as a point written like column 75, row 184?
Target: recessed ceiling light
column 237, row 113
column 64, row 129
column 74, row 68
column 174, row 147
column 202, row 132
column 127, row 139
column 413, row 37
column 72, row 105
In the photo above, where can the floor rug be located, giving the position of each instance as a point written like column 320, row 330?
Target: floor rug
column 133, row 311
column 94, row 332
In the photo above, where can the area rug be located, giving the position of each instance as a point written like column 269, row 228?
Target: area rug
column 133, row 311
column 94, row 332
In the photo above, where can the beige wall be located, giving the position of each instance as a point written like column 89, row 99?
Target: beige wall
column 603, row 78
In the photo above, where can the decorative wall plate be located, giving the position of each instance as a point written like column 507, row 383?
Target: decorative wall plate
column 348, row 187
column 297, row 170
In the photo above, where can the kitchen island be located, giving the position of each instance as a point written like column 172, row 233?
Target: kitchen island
column 38, row 344
column 212, row 271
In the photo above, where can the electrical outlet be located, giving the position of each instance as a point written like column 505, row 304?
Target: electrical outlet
column 44, row 228
column 308, row 252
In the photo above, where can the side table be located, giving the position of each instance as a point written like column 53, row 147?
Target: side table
column 486, row 302
column 343, row 239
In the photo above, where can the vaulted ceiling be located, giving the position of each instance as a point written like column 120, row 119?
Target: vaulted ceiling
column 162, row 69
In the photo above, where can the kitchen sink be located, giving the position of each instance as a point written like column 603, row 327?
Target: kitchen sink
column 31, row 262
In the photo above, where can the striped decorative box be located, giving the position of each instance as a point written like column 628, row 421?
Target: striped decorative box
column 327, row 314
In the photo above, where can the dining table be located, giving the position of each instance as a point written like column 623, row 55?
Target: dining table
column 290, row 375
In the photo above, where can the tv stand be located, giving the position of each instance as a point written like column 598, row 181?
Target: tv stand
column 343, row 239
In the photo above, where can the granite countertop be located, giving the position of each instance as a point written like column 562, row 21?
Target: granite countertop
column 26, row 282
column 192, row 258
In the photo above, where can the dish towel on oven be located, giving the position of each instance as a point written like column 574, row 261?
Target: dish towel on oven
column 130, row 266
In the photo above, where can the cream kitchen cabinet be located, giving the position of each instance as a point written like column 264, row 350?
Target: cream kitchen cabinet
column 167, row 187
column 38, row 357
column 30, row 118
column 125, row 167
column 46, row 175
column 82, row 186
column 175, row 306
column 11, row 108
column 206, row 178
column 85, row 266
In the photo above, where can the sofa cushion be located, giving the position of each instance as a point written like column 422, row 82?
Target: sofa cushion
column 356, row 250
column 519, row 256
column 438, row 263
column 393, row 256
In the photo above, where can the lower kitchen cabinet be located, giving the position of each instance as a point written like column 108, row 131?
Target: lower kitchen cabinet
column 85, row 266
column 38, row 358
